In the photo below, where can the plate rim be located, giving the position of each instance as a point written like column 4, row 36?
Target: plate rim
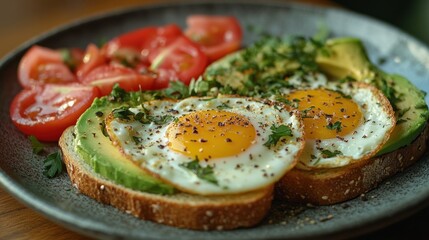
column 68, row 220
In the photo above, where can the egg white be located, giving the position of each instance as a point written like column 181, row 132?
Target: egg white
column 366, row 139
column 256, row 167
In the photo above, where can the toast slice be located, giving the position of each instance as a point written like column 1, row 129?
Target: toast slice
column 179, row 210
column 330, row 186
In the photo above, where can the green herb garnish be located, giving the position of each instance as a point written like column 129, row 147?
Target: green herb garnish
column 161, row 120
column 328, row 154
column 123, row 113
column 118, row 94
column 389, row 92
column 37, row 146
column 223, row 106
column 334, row 126
column 205, row 173
column 399, row 121
column 277, row 133
column 137, row 140
column 305, row 112
column 177, row 90
column 53, row 165
column 284, row 100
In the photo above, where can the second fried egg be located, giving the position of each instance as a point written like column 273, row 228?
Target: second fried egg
column 343, row 123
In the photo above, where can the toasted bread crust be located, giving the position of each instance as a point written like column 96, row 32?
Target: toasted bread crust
column 329, row 186
column 179, row 210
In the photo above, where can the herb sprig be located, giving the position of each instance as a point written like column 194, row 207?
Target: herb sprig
column 277, row 132
column 328, row 154
column 36, row 145
column 53, row 164
column 335, row 126
column 205, row 173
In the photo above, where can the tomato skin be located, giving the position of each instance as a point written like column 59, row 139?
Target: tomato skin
column 92, row 59
column 181, row 60
column 41, row 65
column 217, row 35
column 137, row 45
column 45, row 111
column 106, row 76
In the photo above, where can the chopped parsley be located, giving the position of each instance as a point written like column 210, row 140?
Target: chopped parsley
column 177, row 90
column 399, row 121
column 123, row 113
column 388, row 91
column 277, row 133
column 328, row 154
column 205, row 173
column 223, row 106
column 137, row 140
column 305, row 112
column 37, row 146
column 53, row 164
column 118, row 94
column 334, row 126
column 161, row 120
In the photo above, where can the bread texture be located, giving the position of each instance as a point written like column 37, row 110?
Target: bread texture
column 179, row 210
column 330, row 186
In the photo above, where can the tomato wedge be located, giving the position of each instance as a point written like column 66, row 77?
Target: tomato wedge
column 181, row 60
column 42, row 65
column 217, row 35
column 106, row 76
column 135, row 46
column 92, row 59
column 45, row 111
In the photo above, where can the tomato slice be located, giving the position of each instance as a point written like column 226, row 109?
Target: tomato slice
column 45, row 111
column 181, row 60
column 217, row 35
column 92, row 59
column 135, row 46
column 106, row 76
column 42, row 65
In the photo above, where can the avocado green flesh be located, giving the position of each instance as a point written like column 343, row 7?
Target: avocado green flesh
column 105, row 159
column 411, row 116
column 348, row 58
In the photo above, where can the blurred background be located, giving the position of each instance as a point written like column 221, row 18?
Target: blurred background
column 411, row 16
column 21, row 20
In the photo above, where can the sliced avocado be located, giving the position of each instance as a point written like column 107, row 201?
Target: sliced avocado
column 348, row 58
column 411, row 113
column 104, row 158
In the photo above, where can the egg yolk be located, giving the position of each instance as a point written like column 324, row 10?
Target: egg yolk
column 326, row 114
column 211, row 134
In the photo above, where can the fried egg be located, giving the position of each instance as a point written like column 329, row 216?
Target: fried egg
column 343, row 123
column 210, row 146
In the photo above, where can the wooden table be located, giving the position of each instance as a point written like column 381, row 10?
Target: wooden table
column 21, row 20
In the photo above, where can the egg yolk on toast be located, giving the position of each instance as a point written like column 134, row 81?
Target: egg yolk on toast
column 211, row 134
column 326, row 114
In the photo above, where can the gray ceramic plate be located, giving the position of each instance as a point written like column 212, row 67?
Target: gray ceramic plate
column 21, row 171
